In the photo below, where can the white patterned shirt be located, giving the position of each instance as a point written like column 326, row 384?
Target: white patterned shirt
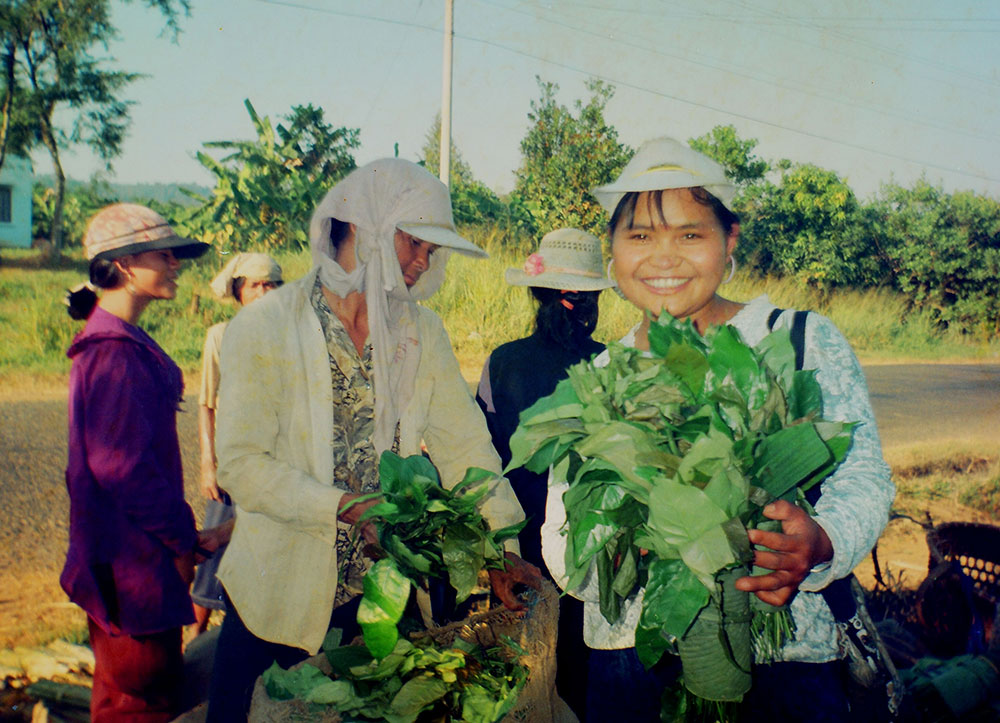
column 853, row 508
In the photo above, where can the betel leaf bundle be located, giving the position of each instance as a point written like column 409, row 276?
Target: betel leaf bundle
column 416, row 680
column 670, row 457
column 425, row 531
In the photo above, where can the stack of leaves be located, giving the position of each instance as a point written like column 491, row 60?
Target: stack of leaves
column 426, row 531
column 676, row 453
column 415, row 680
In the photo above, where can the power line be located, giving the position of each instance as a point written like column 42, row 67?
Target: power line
column 341, row 13
column 707, row 62
column 635, row 86
column 717, row 109
column 949, row 69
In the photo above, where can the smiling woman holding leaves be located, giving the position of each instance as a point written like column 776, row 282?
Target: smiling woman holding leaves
column 673, row 235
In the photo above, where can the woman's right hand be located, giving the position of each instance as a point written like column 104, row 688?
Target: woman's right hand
column 209, row 484
column 351, row 514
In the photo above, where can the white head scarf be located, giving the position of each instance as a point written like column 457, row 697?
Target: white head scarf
column 379, row 198
column 252, row 266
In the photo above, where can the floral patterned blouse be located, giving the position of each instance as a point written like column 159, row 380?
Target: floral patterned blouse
column 355, row 465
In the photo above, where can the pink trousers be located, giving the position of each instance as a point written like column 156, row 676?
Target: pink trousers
column 136, row 678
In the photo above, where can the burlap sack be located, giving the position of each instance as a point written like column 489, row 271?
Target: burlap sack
column 535, row 631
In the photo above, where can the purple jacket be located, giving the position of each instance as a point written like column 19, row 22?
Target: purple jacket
column 128, row 517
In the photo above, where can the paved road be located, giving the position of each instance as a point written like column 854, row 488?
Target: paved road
column 924, row 402
column 912, row 403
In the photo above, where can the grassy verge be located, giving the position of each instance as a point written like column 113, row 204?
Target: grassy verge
column 478, row 308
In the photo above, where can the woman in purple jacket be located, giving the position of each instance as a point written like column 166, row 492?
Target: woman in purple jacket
column 132, row 536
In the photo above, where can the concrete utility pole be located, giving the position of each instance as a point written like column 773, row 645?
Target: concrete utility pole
column 444, row 163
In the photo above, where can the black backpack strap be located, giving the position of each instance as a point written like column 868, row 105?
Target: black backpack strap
column 772, row 319
column 797, row 332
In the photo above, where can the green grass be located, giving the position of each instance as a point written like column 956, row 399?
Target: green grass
column 947, row 477
column 478, row 308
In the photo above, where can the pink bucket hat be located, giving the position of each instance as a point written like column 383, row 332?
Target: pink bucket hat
column 127, row 228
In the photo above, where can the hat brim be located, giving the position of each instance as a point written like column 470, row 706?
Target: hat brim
column 610, row 195
column 549, row 280
column 183, row 248
column 441, row 236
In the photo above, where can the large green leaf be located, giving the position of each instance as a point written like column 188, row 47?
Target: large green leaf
column 463, row 550
column 588, row 507
column 538, row 446
column 672, row 600
column 680, row 513
column 708, row 554
column 789, row 456
column 415, row 695
column 284, row 684
column 626, row 447
column 386, row 592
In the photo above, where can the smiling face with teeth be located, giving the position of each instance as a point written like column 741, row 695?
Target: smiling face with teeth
column 671, row 253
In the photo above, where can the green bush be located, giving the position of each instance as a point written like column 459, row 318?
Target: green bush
column 944, row 251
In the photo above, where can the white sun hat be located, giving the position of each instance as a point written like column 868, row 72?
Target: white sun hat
column 567, row 258
column 662, row 164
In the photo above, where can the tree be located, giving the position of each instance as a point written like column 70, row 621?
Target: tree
column 724, row 146
column 473, row 202
column 266, row 189
column 564, row 156
column 48, row 67
column 430, row 157
column 805, row 226
column 944, row 251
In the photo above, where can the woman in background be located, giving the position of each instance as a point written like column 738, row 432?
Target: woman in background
column 132, row 537
column 565, row 277
column 247, row 277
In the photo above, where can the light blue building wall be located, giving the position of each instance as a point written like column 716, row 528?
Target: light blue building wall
column 15, row 202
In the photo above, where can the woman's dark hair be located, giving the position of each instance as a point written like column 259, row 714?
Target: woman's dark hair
column 338, row 232
column 625, row 210
column 240, row 281
column 567, row 327
column 104, row 275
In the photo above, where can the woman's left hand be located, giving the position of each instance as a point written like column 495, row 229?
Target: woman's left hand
column 792, row 553
column 516, row 572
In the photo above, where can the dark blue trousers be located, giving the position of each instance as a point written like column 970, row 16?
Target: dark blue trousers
column 241, row 657
column 621, row 689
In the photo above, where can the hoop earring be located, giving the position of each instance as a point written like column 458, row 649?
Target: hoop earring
column 614, row 282
column 732, row 269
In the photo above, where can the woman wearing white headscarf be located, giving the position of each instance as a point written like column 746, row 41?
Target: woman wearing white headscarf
column 319, row 378
column 245, row 278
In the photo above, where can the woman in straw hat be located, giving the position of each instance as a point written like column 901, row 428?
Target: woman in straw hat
column 673, row 235
column 565, row 277
column 132, row 536
column 319, row 378
column 245, row 278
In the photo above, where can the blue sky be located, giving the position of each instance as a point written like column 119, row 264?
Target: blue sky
column 878, row 90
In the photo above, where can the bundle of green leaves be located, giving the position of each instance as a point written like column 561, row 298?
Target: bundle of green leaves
column 416, row 680
column 426, row 531
column 676, row 452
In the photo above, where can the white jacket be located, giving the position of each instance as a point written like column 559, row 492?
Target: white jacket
column 273, row 442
